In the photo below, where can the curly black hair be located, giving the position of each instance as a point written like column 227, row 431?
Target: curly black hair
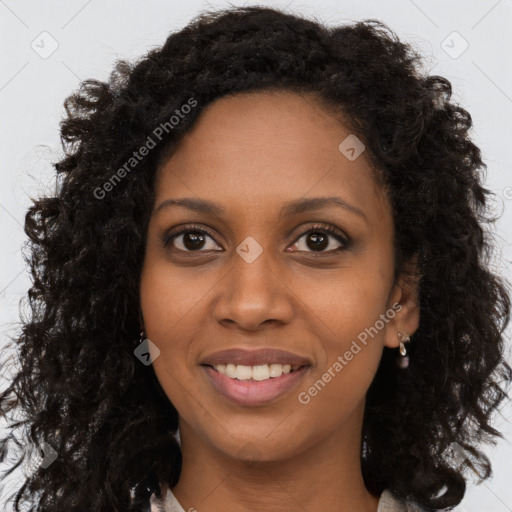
column 79, row 387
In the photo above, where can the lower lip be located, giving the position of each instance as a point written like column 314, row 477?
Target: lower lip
column 252, row 392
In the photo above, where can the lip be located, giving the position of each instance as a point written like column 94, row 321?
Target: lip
column 255, row 357
column 251, row 392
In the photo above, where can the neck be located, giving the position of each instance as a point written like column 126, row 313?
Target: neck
column 324, row 476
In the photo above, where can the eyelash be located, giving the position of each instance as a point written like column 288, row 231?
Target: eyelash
column 169, row 236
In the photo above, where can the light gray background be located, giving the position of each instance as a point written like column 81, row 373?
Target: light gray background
column 92, row 34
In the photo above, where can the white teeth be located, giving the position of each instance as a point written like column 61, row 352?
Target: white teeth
column 276, row 370
column 231, row 371
column 243, row 372
column 259, row 372
column 221, row 368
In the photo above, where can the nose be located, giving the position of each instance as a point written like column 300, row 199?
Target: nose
column 252, row 295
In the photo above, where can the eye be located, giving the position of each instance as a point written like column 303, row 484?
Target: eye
column 191, row 239
column 195, row 239
column 318, row 239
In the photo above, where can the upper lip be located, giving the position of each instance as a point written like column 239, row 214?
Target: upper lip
column 255, row 357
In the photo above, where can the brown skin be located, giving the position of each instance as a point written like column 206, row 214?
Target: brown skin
column 251, row 153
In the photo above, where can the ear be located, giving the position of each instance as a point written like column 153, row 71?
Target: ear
column 404, row 300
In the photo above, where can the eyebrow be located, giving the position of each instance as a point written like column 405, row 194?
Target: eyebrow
column 287, row 209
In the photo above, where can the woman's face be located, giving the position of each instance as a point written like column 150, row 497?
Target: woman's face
column 265, row 275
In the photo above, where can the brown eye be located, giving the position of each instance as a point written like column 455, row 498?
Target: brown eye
column 318, row 239
column 189, row 240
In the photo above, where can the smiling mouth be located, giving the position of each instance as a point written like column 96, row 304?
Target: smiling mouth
column 259, row 391
column 255, row 373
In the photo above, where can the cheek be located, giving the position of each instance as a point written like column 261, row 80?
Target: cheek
column 347, row 302
column 169, row 300
column 162, row 308
column 172, row 303
column 347, row 310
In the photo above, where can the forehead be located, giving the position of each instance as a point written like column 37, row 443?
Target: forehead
column 258, row 149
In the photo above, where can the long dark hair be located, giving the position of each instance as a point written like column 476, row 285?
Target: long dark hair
column 79, row 387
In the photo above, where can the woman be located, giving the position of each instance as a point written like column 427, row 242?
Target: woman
column 262, row 281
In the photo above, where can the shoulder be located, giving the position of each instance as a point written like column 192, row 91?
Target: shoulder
column 167, row 503
column 156, row 504
column 390, row 503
